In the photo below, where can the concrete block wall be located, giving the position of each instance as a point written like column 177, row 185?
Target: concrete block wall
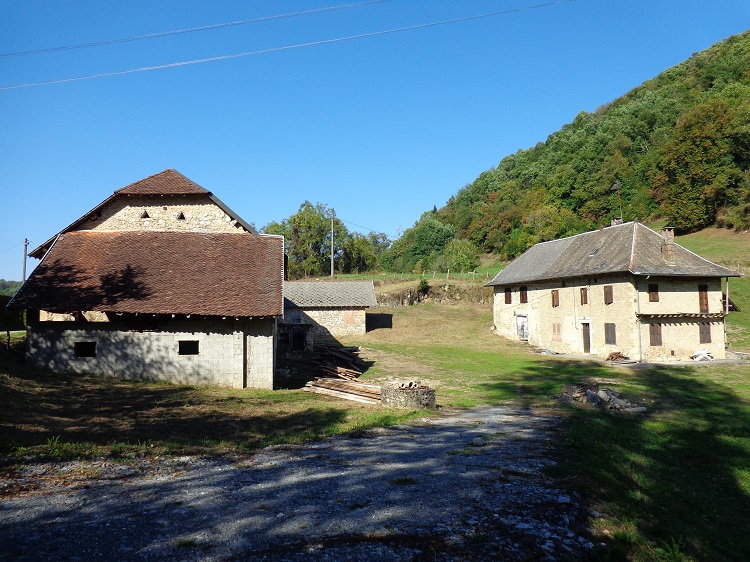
column 153, row 355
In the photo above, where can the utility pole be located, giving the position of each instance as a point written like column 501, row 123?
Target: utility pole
column 331, row 247
column 25, row 252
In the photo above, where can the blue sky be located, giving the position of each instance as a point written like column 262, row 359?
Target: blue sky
column 379, row 128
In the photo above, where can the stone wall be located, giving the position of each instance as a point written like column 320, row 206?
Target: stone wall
column 331, row 323
column 237, row 353
column 169, row 213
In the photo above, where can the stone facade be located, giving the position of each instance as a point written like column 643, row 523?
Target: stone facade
column 232, row 353
column 583, row 321
column 167, row 213
column 328, row 324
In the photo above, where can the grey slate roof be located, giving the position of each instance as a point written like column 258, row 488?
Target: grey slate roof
column 329, row 294
column 627, row 248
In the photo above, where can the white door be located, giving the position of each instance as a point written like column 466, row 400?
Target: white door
column 522, row 327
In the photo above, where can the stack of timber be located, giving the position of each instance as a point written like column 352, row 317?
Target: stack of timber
column 349, row 390
column 341, row 362
column 341, row 367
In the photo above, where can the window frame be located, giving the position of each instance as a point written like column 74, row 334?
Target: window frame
column 555, row 298
column 584, row 295
column 653, row 292
column 610, row 333
column 188, row 347
column 655, row 338
column 609, row 294
column 704, row 332
column 84, row 349
column 508, row 295
column 523, row 293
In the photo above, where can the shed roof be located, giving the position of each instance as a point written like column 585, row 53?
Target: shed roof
column 329, row 294
column 147, row 272
column 169, row 182
column 626, row 248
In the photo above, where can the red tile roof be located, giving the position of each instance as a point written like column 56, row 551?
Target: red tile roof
column 237, row 275
column 168, row 182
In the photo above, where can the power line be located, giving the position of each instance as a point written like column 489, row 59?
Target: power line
column 366, row 228
column 285, row 48
column 188, row 30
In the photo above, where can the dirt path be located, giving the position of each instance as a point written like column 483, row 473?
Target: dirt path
column 467, row 485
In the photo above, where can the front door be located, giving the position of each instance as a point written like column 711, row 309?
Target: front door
column 522, row 328
column 586, row 333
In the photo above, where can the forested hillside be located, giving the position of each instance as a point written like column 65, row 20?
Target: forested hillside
column 678, row 147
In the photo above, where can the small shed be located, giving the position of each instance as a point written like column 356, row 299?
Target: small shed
column 322, row 311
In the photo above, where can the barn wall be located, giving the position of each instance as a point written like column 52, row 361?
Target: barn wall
column 236, row 353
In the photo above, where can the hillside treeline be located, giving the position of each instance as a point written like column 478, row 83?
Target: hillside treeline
column 677, row 147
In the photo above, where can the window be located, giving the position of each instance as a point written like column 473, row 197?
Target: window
column 181, row 216
column 84, row 349
column 703, row 298
column 556, row 331
column 524, row 291
column 653, row 292
column 145, row 215
column 609, row 297
column 187, row 347
column 555, row 297
column 654, row 334
column 508, row 295
column 610, row 333
column 705, row 332
column 584, row 295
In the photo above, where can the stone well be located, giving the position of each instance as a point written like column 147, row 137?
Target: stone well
column 408, row 396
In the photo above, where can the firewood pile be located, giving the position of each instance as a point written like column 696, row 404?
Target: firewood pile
column 341, row 367
column 617, row 357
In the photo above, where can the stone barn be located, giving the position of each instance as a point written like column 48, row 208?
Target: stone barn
column 161, row 281
column 321, row 311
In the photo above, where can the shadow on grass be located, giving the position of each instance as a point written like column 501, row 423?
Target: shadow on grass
column 676, row 480
column 95, row 412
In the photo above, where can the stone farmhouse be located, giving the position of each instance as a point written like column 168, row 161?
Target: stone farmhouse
column 325, row 310
column 161, row 281
column 625, row 288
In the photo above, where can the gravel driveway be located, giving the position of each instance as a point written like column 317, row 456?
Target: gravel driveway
column 467, row 485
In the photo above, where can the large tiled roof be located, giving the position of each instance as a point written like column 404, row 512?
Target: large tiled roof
column 627, row 248
column 329, row 294
column 233, row 274
column 168, row 182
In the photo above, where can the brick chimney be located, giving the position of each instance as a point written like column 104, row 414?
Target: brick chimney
column 667, row 243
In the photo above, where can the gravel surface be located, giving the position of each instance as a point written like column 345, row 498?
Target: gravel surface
column 467, row 485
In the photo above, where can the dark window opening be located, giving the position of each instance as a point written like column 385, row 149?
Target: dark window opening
column 524, row 291
column 188, row 347
column 508, row 295
column 610, row 333
column 181, row 217
column 145, row 215
column 584, row 295
column 653, row 292
column 703, row 298
column 654, row 334
column 84, row 348
column 609, row 296
column 555, row 298
column 705, row 332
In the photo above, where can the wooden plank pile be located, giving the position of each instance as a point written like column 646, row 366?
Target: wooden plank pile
column 341, row 367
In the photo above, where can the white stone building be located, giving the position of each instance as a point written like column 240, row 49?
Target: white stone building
column 625, row 288
column 159, row 281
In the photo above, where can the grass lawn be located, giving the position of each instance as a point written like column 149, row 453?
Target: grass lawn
column 673, row 484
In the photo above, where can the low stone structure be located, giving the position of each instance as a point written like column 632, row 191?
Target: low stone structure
column 409, row 396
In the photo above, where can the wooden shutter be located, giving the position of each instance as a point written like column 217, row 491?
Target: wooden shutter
column 705, row 332
column 555, row 297
column 610, row 333
column 654, row 334
column 653, row 292
column 703, row 298
column 609, row 297
column 584, row 295
column 508, row 296
column 524, row 292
